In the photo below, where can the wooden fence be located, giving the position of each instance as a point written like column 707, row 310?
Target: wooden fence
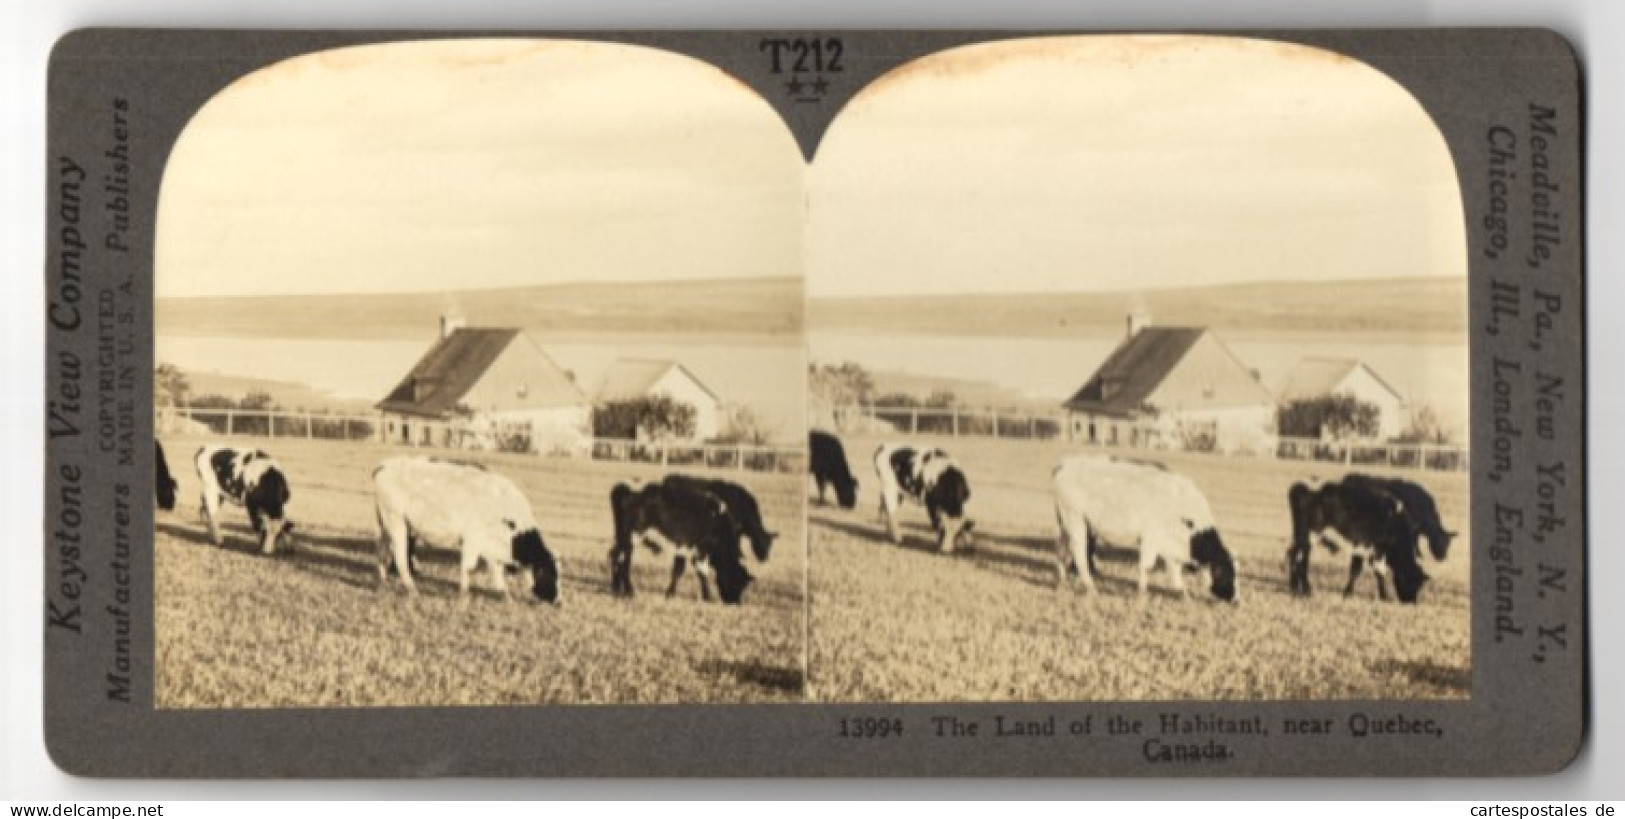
column 335, row 427
column 1439, row 457
column 958, row 422
column 282, row 424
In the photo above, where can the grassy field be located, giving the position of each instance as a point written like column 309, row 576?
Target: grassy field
column 892, row 623
column 312, row 628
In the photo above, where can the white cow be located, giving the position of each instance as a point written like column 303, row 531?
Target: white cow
column 464, row 507
column 1127, row 504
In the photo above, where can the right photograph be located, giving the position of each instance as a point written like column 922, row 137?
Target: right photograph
column 1138, row 370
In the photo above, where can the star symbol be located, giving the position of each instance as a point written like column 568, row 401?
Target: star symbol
column 794, row 85
column 820, row 86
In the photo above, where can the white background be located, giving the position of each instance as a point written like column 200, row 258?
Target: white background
column 29, row 28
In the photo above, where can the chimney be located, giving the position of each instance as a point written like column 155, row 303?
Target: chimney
column 451, row 323
column 1137, row 320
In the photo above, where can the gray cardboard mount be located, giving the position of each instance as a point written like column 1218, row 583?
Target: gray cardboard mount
column 1526, row 713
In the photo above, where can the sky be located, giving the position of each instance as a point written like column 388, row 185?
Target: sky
column 430, row 166
column 1077, row 163
column 1121, row 163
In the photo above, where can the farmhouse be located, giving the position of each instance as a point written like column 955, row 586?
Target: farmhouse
column 633, row 378
column 1319, row 377
column 487, row 388
column 1166, row 387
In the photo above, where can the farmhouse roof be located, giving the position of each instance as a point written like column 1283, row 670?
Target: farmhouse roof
column 1315, row 376
column 1169, row 368
column 456, row 363
column 630, row 378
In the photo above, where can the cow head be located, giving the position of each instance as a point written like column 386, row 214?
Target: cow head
column 761, row 543
column 531, row 552
column 1209, row 552
column 1438, row 540
column 1408, row 580
column 732, row 580
column 846, row 492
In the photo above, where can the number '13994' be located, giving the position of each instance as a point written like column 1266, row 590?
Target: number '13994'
column 871, row 727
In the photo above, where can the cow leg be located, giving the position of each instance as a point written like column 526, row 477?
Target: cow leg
column 470, row 559
column 702, row 572
column 945, row 540
column 1297, row 565
column 820, row 481
column 1148, row 563
column 1379, row 570
column 1075, row 533
column 1356, row 565
column 679, row 564
column 256, row 519
column 211, row 514
column 620, row 570
column 1065, row 564
column 1176, row 577
column 394, row 547
column 499, row 579
column 889, row 502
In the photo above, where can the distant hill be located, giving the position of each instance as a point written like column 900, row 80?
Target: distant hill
column 967, row 392
column 765, row 306
column 284, row 394
column 1427, row 306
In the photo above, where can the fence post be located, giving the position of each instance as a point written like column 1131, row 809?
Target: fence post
column 953, row 414
column 994, row 414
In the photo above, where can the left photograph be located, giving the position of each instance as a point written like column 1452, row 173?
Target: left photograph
column 481, row 381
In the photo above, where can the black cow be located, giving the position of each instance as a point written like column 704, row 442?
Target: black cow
column 163, row 481
column 694, row 523
column 740, row 505
column 829, row 468
column 1371, row 522
column 248, row 478
column 933, row 479
column 1419, row 508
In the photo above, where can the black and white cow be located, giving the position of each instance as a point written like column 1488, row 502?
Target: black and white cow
column 694, row 524
column 1370, row 522
column 829, row 468
column 250, row 479
column 451, row 505
column 1103, row 500
column 163, row 481
column 934, row 480
column 739, row 504
column 1419, row 506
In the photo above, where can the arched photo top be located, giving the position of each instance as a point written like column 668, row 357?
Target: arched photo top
column 477, row 163
column 1114, row 162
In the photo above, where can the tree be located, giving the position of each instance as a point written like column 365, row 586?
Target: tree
column 1424, row 428
column 170, row 386
column 741, row 425
column 655, row 417
column 257, row 400
column 1338, row 416
column 840, row 385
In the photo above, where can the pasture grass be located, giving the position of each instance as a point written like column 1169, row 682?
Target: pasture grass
column 903, row 623
column 312, row 627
